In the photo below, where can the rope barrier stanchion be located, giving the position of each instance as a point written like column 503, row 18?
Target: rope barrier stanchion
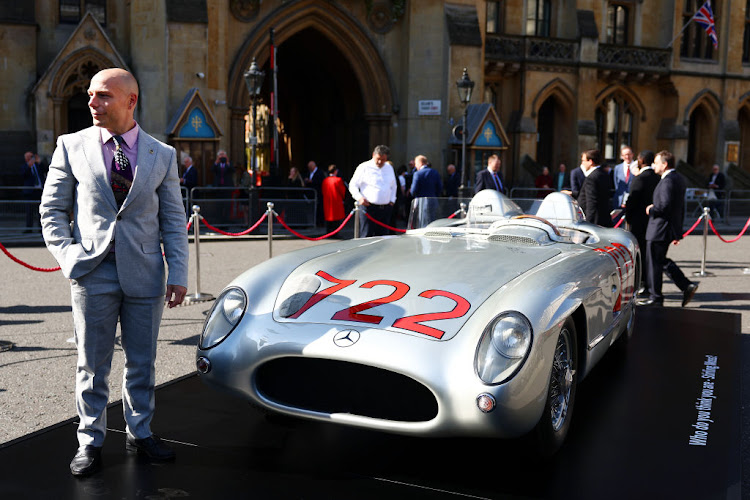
column 242, row 233
column 28, row 266
column 194, row 298
column 692, row 228
column 706, row 221
column 269, row 215
column 356, row 220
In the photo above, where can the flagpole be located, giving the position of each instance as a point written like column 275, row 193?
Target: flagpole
column 680, row 33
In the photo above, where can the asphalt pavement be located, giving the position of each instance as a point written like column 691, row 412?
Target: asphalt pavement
column 37, row 374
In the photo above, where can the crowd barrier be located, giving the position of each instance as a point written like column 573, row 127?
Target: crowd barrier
column 197, row 218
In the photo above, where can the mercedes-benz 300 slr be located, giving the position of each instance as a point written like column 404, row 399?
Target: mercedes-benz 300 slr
column 475, row 325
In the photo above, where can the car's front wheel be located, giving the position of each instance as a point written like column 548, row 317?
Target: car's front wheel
column 558, row 409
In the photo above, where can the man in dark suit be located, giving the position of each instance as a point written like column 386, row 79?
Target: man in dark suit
column 641, row 195
column 491, row 177
column 315, row 180
column 577, row 176
column 426, row 181
column 664, row 227
column 189, row 177
column 716, row 183
column 594, row 198
column 452, row 181
column 33, row 181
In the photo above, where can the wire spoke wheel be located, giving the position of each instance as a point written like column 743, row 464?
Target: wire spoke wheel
column 561, row 380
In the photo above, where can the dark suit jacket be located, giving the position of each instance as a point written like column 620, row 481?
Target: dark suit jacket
column 451, row 185
column 426, row 182
column 191, row 177
column 641, row 195
column 576, row 181
column 565, row 181
column 665, row 218
column 594, row 198
column 485, row 181
column 720, row 181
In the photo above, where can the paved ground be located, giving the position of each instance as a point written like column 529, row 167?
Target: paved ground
column 36, row 376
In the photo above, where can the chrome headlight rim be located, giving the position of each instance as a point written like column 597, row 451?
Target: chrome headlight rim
column 218, row 339
column 487, row 338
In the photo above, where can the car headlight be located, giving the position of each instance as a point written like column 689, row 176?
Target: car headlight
column 223, row 317
column 503, row 348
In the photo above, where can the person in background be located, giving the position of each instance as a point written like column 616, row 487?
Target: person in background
column 491, row 177
column 562, row 178
column 189, row 177
column 334, row 190
column 32, row 182
column 665, row 216
column 623, row 176
column 314, row 180
column 426, row 181
column 223, row 171
column 373, row 186
column 452, row 181
column 594, row 197
column 640, row 196
column 543, row 182
column 716, row 183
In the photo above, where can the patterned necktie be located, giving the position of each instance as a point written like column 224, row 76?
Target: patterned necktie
column 122, row 174
column 627, row 172
column 498, row 184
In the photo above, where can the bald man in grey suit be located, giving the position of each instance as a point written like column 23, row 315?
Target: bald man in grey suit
column 122, row 188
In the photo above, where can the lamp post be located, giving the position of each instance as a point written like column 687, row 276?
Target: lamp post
column 465, row 86
column 254, row 81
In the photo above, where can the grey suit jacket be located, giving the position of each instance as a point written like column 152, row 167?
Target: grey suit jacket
column 78, row 184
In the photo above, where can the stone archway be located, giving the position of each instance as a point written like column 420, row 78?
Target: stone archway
column 702, row 115
column 341, row 31
column 553, row 110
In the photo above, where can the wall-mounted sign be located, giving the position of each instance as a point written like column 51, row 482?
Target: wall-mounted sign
column 429, row 108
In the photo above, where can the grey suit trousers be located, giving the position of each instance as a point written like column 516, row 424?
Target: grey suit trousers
column 98, row 302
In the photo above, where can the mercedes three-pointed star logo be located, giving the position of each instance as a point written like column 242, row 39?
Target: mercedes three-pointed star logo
column 346, row 338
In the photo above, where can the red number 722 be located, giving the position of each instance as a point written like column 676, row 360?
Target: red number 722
column 412, row 323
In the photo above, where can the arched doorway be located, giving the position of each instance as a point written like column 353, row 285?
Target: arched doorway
column 701, row 140
column 555, row 141
column 349, row 73
column 79, row 115
column 320, row 105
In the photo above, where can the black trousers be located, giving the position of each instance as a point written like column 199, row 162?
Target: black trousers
column 381, row 213
column 657, row 263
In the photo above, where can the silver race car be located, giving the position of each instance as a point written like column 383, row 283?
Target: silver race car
column 478, row 324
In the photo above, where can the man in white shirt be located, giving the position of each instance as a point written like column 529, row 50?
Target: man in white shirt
column 373, row 186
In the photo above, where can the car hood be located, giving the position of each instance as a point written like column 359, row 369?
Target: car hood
column 410, row 284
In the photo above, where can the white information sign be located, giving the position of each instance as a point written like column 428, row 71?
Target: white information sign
column 429, row 108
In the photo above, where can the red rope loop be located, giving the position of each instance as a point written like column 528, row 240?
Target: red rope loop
column 243, row 233
column 189, row 225
column 619, row 223
column 711, row 223
column 33, row 268
column 384, row 225
column 455, row 213
column 693, row 227
column 298, row 235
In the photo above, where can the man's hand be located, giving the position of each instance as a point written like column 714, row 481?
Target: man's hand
column 363, row 202
column 648, row 209
column 175, row 295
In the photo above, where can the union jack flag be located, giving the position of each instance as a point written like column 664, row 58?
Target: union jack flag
column 705, row 17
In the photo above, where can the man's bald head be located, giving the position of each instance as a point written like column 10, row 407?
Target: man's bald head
column 113, row 95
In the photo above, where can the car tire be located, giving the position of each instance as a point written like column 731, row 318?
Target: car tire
column 558, row 409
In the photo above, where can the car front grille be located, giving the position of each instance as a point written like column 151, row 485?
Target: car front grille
column 330, row 386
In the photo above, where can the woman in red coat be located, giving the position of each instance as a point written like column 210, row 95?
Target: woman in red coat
column 334, row 191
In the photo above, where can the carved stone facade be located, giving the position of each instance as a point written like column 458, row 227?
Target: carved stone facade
column 352, row 74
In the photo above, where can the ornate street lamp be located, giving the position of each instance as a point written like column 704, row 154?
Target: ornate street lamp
column 254, row 81
column 465, row 87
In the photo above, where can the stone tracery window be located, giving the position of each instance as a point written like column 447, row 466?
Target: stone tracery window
column 494, row 23
column 695, row 43
column 539, row 18
column 614, row 126
column 618, row 23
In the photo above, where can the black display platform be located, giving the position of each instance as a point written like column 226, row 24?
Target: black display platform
column 631, row 438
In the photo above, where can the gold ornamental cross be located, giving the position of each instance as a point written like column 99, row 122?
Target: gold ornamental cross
column 196, row 122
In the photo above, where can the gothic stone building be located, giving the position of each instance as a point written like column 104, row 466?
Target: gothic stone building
column 559, row 77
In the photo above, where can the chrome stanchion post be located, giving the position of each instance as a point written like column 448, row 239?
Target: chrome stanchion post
column 462, row 206
column 356, row 220
column 269, row 218
column 197, row 296
column 706, row 217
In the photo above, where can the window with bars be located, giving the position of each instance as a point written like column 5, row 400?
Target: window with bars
column 71, row 11
column 494, row 17
column 618, row 23
column 539, row 18
column 695, row 43
column 614, row 126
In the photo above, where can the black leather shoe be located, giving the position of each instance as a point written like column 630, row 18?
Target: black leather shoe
column 152, row 447
column 649, row 303
column 688, row 294
column 88, row 460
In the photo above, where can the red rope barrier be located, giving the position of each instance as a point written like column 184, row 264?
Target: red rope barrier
column 243, row 233
column 18, row 261
column 298, row 235
column 619, row 223
column 384, row 225
column 711, row 223
column 694, row 226
column 189, row 225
